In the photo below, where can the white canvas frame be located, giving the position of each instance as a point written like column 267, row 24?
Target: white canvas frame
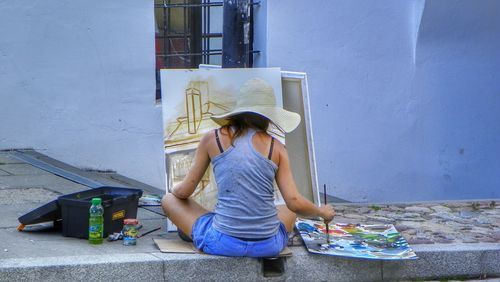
column 300, row 79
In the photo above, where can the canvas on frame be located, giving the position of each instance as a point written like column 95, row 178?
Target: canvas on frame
column 381, row 242
column 189, row 99
column 300, row 142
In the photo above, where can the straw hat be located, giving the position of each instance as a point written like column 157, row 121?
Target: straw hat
column 257, row 96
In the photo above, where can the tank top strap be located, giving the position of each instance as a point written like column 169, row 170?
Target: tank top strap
column 271, row 147
column 217, row 139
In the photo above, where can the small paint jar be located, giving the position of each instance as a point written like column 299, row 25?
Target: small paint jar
column 130, row 231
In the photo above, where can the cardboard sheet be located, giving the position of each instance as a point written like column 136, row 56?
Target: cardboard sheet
column 175, row 246
column 182, row 247
column 287, row 252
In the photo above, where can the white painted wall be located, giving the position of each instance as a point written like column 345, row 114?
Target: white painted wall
column 405, row 95
column 77, row 83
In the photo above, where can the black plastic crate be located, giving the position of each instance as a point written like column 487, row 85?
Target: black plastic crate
column 118, row 203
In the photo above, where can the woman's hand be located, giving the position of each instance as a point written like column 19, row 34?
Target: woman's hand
column 327, row 213
column 199, row 165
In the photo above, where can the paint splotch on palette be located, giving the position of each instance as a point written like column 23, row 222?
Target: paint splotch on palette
column 355, row 240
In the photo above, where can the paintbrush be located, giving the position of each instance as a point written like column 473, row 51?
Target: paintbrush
column 150, row 231
column 327, row 225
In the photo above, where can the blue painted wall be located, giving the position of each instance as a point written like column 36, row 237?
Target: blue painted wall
column 405, row 95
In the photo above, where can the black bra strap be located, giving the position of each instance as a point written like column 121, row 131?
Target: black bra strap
column 271, row 149
column 218, row 141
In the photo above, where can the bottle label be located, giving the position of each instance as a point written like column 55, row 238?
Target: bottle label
column 95, row 231
column 129, row 241
column 132, row 233
column 129, row 235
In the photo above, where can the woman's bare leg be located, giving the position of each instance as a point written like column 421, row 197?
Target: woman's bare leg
column 183, row 213
column 287, row 217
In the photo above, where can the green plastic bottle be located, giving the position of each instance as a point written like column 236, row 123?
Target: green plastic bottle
column 96, row 221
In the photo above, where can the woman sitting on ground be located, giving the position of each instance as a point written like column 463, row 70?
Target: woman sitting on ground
column 246, row 160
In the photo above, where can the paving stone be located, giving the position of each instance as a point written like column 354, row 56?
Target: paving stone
column 481, row 230
column 418, row 219
column 438, row 233
column 496, row 235
column 48, row 181
column 411, row 231
column 22, row 169
column 411, row 224
column 441, row 209
column 411, row 214
column 401, row 227
column 7, row 158
column 483, row 220
column 10, row 213
column 468, row 214
column 354, row 216
column 450, row 237
column 427, row 217
column 487, row 239
column 422, row 235
column 444, row 215
column 15, row 196
column 363, row 210
column 420, row 241
column 443, row 241
column 418, row 209
column 380, row 219
column 469, row 240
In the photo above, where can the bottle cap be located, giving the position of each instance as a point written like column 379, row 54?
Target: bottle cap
column 96, row 201
column 130, row 221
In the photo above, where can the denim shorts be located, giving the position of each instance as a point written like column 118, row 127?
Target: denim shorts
column 211, row 241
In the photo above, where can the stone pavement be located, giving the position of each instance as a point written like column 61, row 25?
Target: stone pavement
column 448, row 222
column 438, row 232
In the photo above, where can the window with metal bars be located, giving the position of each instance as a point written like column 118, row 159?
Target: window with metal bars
column 188, row 33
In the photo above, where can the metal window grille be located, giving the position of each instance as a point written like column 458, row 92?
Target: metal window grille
column 188, row 33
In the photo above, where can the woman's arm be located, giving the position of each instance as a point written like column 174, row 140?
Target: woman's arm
column 294, row 201
column 198, row 167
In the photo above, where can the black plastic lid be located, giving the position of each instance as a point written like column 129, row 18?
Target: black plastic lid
column 51, row 211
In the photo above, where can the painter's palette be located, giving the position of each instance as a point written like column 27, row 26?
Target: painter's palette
column 355, row 240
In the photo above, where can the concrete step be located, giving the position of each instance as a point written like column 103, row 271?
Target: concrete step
column 435, row 261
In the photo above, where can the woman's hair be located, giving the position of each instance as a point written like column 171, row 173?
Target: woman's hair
column 242, row 122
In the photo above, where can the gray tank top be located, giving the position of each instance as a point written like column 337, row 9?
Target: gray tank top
column 244, row 177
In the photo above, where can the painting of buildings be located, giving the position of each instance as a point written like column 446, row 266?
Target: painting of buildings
column 190, row 98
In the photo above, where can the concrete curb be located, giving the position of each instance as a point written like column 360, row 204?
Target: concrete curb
column 138, row 267
column 461, row 260
column 447, row 260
